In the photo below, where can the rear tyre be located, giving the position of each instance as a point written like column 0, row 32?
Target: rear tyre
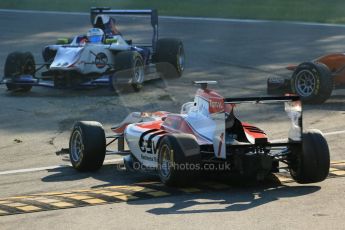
column 130, row 71
column 17, row 64
column 87, row 146
column 170, row 57
column 311, row 162
column 178, row 159
column 313, row 82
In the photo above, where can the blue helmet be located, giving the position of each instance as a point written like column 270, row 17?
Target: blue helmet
column 95, row 35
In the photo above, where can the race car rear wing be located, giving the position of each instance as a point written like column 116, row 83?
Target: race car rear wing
column 261, row 100
column 293, row 108
column 94, row 11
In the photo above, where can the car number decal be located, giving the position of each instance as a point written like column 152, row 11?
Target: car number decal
column 148, row 145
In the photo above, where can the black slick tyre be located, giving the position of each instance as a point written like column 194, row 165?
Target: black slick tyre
column 17, row 64
column 313, row 82
column 170, row 57
column 178, row 159
column 311, row 162
column 87, row 146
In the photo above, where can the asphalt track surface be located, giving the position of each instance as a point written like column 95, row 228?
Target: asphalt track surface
column 240, row 55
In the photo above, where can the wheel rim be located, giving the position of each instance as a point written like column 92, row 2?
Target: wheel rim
column 180, row 59
column 138, row 77
column 305, row 83
column 77, row 146
column 165, row 161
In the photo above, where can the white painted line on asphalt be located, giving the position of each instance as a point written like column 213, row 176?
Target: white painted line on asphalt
column 116, row 161
column 33, row 169
column 251, row 21
column 183, row 18
column 334, row 133
column 42, row 12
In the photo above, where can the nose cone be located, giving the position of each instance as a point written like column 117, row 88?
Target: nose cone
column 66, row 57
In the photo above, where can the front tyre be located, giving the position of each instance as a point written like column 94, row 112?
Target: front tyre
column 313, row 82
column 18, row 64
column 170, row 57
column 310, row 163
column 87, row 146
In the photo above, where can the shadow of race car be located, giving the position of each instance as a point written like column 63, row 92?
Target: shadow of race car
column 313, row 81
column 206, row 132
column 102, row 57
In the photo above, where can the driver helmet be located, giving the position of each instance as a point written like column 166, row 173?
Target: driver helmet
column 95, row 35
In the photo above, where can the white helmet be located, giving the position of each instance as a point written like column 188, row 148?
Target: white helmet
column 95, row 35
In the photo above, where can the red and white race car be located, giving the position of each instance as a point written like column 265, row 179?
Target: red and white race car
column 179, row 146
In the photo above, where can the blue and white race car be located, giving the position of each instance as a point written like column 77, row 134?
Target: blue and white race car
column 102, row 57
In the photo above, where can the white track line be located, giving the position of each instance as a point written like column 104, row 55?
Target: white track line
column 42, row 12
column 325, row 134
column 33, row 169
column 114, row 161
column 334, row 133
column 209, row 19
